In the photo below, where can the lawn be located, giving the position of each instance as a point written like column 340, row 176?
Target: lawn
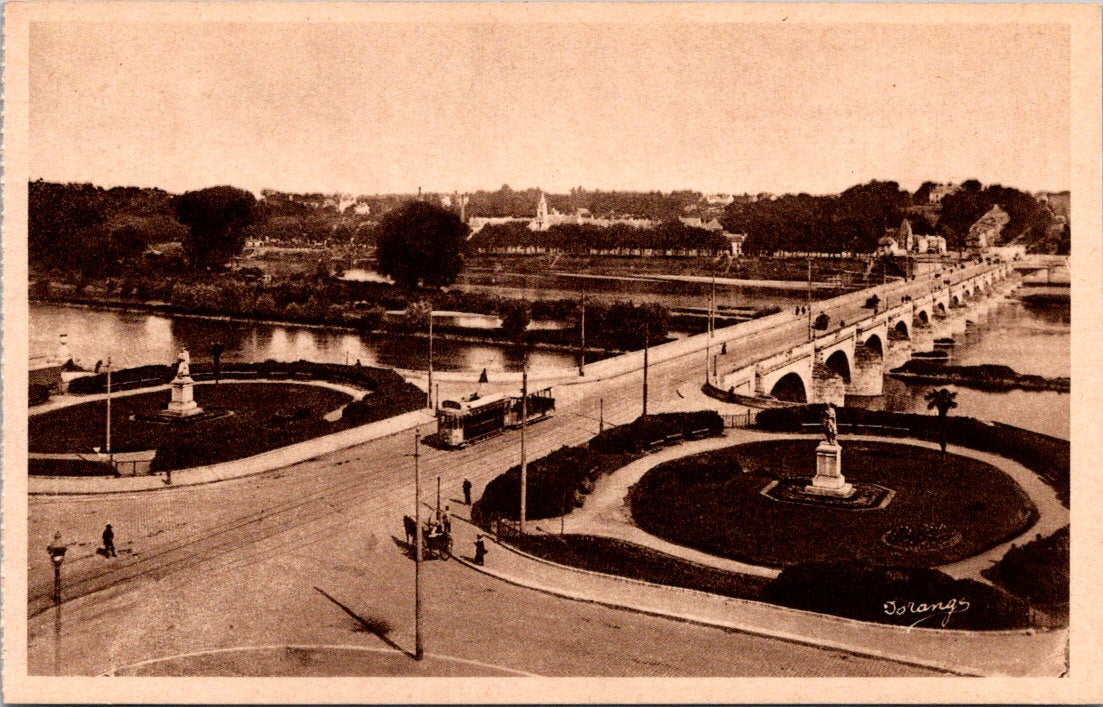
column 266, row 416
column 707, row 502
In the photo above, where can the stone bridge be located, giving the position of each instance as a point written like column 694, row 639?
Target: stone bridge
column 850, row 359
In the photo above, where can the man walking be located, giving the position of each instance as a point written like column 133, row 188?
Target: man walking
column 480, row 550
column 466, row 492
column 109, row 542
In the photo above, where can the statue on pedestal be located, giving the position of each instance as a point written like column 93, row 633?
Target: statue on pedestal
column 830, row 426
column 183, row 365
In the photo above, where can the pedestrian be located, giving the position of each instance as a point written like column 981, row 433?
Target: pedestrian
column 466, row 492
column 446, row 520
column 109, row 542
column 480, row 550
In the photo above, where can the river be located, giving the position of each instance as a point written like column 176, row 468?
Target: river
column 1031, row 339
column 133, row 339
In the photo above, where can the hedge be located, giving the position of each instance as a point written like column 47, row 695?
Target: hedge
column 560, row 480
column 556, row 483
column 37, row 393
column 647, row 431
column 1046, row 456
column 902, row 596
column 1038, row 571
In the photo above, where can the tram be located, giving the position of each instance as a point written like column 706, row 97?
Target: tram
column 474, row 417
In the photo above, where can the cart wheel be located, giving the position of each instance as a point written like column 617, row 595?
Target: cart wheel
column 446, row 550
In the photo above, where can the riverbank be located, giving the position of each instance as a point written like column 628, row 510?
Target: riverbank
column 984, row 377
column 439, row 333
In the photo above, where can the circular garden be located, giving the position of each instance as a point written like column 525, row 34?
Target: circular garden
column 264, row 416
column 944, row 507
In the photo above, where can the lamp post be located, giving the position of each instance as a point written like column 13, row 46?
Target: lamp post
column 56, row 550
column 709, row 326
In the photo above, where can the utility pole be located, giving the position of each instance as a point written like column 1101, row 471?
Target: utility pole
column 601, row 415
column 809, row 307
column 110, row 457
column 710, row 326
column 429, row 387
column 582, row 343
column 646, row 346
column 419, row 648
column 524, row 461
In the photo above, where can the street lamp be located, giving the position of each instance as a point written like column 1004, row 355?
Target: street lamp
column 56, row 550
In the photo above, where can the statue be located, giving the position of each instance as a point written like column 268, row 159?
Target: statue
column 183, row 362
column 830, row 428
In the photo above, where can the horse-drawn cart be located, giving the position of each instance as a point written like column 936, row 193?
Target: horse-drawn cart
column 434, row 544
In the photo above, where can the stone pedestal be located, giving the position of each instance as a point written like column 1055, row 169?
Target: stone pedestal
column 829, row 480
column 183, row 402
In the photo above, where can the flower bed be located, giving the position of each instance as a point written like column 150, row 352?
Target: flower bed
column 706, row 502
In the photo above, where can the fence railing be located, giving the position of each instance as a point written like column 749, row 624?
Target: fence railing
column 740, row 419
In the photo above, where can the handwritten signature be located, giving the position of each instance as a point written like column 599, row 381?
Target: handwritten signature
column 926, row 610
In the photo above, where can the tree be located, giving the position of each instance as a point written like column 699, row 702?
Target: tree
column 515, row 318
column 216, row 219
column 421, row 245
column 942, row 399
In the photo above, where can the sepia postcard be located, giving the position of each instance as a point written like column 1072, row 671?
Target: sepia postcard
column 551, row 352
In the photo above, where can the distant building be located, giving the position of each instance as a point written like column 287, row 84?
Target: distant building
column 940, row 191
column 903, row 240
column 546, row 218
column 697, row 222
column 735, row 243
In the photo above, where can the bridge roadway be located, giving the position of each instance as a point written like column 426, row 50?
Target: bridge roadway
column 237, row 563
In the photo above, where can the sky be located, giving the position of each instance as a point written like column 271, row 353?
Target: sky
column 389, row 107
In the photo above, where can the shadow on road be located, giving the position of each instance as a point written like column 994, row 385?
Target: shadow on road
column 377, row 627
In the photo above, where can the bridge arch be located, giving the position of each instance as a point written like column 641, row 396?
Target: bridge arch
column 940, row 308
column 874, row 343
column 901, row 327
column 840, row 363
column 955, row 301
column 790, row 388
column 922, row 317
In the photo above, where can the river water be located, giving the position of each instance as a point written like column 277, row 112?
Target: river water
column 1030, row 339
column 133, row 339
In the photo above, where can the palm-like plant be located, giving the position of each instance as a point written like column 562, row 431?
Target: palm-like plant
column 943, row 400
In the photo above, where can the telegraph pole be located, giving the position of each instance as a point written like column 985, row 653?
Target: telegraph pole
column 524, row 461
column 582, row 344
column 419, row 648
column 646, row 345
column 710, row 326
column 429, row 387
column 809, row 307
column 110, row 457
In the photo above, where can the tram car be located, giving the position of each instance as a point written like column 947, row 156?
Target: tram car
column 474, row 417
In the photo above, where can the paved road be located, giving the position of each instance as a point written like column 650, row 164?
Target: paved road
column 237, row 563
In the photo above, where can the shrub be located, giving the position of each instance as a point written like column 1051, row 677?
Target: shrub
column 123, row 378
column 903, row 596
column 1038, row 571
column 556, row 482
column 38, row 393
column 648, row 430
column 559, row 480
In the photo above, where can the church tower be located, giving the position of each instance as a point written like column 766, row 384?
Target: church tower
column 542, row 223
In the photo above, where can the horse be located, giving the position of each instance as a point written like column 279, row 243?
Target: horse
column 410, row 526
